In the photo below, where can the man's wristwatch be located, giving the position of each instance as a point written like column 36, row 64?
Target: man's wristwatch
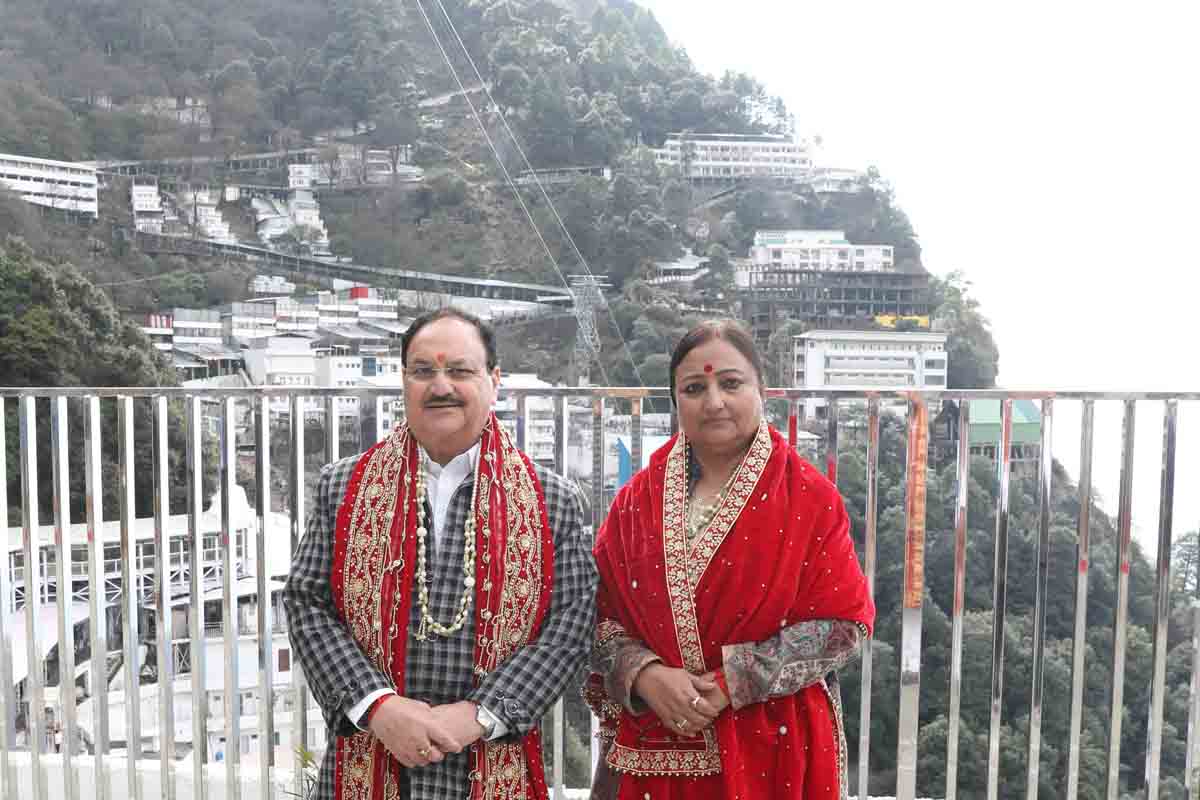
column 486, row 721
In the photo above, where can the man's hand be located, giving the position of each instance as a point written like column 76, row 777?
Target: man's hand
column 677, row 697
column 458, row 720
column 410, row 731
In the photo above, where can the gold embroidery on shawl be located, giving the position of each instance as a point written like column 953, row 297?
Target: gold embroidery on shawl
column 512, row 625
column 839, row 730
column 368, row 546
column 668, row 762
column 684, row 568
column 740, row 491
column 368, row 550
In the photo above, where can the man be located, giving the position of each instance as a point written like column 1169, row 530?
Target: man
column 443, row 595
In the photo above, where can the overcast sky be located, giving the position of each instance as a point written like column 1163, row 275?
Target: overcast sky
column 1047, row 150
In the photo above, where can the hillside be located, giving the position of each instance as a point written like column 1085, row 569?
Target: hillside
column 100, row 81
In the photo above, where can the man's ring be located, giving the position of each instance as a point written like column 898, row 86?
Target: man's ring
column 681, row 724
column 423, row 752
column 695, row 701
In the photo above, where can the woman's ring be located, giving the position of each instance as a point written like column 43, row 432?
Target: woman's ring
column 681, row 724
column 695, row 701
column 423, row 752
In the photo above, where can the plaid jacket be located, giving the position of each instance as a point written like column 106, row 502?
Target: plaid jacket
column 439, row 670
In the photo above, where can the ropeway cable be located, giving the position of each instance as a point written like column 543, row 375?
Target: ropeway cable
column 538, row 182
column 508, row 177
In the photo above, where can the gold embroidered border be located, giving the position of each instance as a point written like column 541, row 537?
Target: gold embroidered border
column 367, row 548
column 683, row 572
column 368, row 545
column 683, row 607
column 839, row 730
column 507, row 772
column 667, row 762
column 522, row 590
column 740, row 491
column 504, row 632
column 358, row 766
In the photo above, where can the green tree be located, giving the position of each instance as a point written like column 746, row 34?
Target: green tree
column 970, row 349
column 57, row 329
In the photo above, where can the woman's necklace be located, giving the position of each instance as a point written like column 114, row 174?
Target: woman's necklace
column 428, row 623
column 700, row 515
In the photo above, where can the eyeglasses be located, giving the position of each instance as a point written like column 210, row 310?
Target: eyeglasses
column 425, row 373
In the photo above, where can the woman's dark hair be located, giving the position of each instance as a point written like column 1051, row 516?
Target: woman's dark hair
column 729, row 330
column 486, row 334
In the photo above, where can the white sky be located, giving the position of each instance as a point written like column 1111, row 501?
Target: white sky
column 1047, row 150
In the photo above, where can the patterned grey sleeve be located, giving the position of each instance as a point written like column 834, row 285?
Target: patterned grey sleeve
column 335, row 667
column 797, row 657
column 618, row 661
column 522, row 689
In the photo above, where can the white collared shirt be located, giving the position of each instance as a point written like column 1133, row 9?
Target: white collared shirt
column 440, row 483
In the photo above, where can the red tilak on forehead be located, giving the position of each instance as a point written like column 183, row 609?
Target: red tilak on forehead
column 441, row 358
column 708, row 367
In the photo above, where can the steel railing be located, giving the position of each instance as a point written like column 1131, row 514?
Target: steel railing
column 162, row 406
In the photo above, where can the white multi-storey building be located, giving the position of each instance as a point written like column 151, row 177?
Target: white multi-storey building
column 340, row 371
column 302, row 176
column 271, row 285
column 724, row 157
column 820, row 250
column 831, row 180
column 778, row 257
column 200, row 208
column 64, row 185
column 180, row 542
column 304, row 211
column 147, row 204
column 160, row 329
column 685, row 269
column 867, row 359
column 282, row 361
column 539, row 415
column 196, row 326
column 246, row 322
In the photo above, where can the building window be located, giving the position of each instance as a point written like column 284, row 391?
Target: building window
column 285, row 659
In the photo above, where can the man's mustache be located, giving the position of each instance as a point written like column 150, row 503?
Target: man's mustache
column 442, row 402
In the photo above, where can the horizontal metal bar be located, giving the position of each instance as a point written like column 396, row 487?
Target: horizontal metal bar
column 897, row 396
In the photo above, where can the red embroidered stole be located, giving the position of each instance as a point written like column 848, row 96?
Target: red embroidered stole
column 373, row 571
column 777, row 552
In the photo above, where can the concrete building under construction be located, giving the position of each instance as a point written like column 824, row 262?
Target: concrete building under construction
column 829, row 284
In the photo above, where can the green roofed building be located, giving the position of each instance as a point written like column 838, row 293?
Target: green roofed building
column 983, row 437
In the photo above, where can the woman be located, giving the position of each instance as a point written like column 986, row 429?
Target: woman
column 729, row 593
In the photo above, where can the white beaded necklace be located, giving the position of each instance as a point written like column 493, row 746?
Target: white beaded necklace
column 428, row 623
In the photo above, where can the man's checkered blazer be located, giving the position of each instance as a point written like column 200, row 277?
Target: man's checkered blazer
column 439, row 670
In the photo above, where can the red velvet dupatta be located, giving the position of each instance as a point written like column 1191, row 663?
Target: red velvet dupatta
column 777, row 552
column 373, row 568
